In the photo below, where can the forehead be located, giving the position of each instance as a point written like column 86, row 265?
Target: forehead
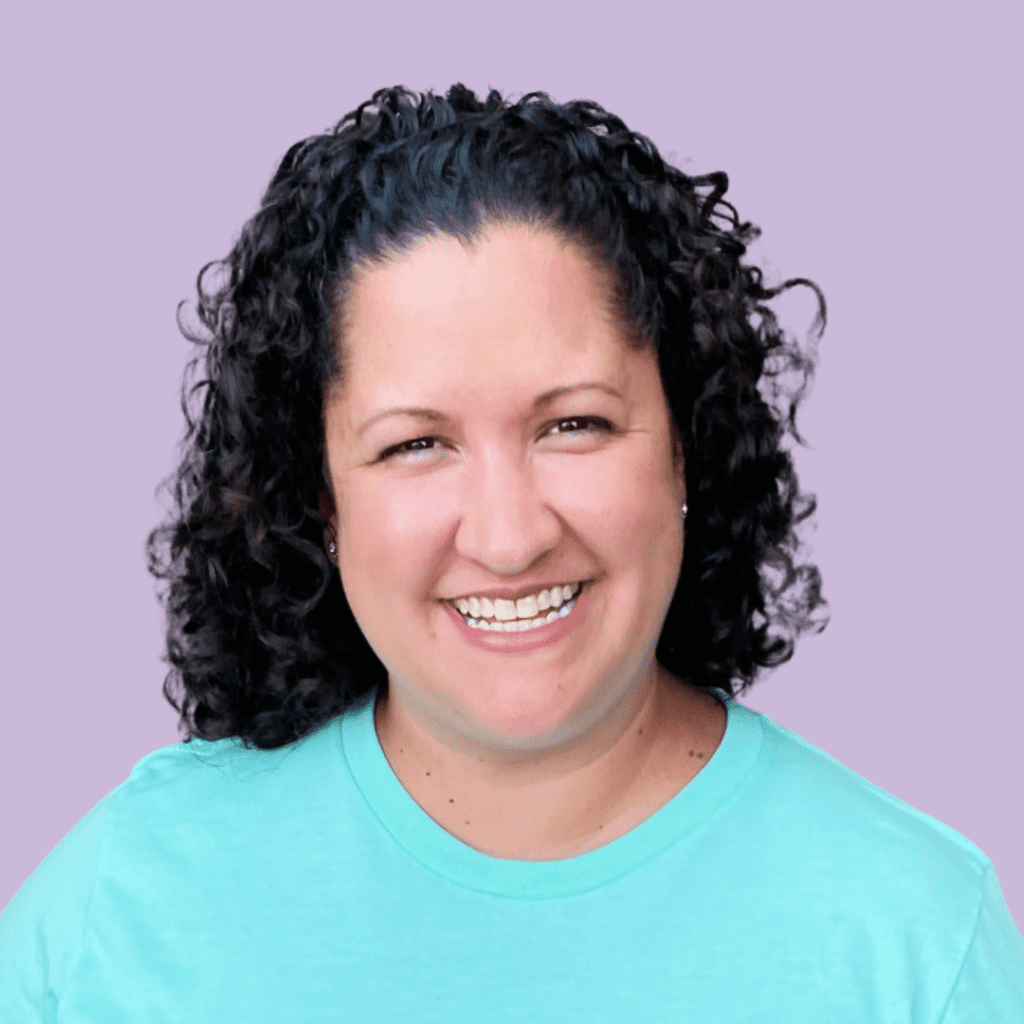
column 506, row 317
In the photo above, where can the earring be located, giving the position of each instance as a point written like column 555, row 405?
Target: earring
column 685, row 509
column 332, row 549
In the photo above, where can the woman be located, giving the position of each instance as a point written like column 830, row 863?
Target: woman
column 484, row 519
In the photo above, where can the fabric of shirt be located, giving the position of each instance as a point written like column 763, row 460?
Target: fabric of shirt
column 226, row 884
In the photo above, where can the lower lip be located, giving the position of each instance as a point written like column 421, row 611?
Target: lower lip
column 523, row 643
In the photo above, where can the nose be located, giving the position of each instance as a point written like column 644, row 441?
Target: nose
column 506, row 522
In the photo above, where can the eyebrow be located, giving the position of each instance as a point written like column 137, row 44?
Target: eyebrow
column 540, row 402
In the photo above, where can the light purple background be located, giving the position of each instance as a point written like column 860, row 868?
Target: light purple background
column 876, row 145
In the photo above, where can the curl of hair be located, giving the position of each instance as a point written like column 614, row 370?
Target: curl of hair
column 261, row 641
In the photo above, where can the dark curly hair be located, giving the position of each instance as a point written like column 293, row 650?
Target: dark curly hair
column 261, row 641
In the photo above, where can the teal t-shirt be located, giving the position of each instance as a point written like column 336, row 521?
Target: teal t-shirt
column 220, row 884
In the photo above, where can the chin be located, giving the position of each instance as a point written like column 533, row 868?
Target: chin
column 519, row 708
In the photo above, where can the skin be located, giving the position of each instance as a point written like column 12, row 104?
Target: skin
column 552, row 753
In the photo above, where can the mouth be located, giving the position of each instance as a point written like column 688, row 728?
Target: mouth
column 521, row 616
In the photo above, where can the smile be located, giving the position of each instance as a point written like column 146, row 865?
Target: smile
column 523, row 636
column 522, row 625
column 527, row 613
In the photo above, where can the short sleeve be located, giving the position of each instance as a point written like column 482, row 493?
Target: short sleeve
column 41, row 929
column 990, row 986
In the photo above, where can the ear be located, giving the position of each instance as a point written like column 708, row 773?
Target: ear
column 678, row 461
column 327, row 508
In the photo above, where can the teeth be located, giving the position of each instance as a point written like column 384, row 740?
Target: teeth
column 521, row 614
column 522, row 625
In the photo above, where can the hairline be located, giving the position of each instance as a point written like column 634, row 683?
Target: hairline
column 389, row 249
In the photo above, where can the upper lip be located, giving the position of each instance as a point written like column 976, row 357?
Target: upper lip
column 515, row 595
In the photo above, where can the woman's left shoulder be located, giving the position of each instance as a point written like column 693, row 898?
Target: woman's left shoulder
column 835, row 809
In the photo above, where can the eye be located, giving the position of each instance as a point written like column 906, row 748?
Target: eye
column 580, row 424
column 569, row 425
column 419, row 444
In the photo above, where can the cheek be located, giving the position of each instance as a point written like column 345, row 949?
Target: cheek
column 390, row 537
column 620, row 504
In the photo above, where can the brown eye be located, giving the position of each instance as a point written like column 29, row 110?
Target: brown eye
column 578, row 424
column 419, row 444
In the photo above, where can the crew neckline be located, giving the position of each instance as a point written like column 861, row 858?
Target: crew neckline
column 445, row 855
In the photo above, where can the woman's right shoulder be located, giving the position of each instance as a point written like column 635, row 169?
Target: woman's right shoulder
column 43, row 927
column 171, row 787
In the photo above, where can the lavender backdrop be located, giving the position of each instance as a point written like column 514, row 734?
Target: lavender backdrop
column 877, row 144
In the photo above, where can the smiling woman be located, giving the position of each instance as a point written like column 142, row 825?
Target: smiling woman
column 485, row 517
column 552, row 482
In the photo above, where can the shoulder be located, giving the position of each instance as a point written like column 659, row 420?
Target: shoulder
column 219, row 783
column 172, row 787
column 855, row 832
column 42, row 927
column 180, row 808
column 177, row 774
column 875, row 881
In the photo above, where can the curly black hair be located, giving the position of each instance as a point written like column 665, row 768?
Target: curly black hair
column 261, row 641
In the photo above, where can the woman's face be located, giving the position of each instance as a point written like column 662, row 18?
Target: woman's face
column 495, row 437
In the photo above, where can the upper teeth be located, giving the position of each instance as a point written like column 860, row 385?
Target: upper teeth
column 524, row 608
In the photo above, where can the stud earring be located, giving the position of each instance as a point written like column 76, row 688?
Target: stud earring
column 332, row 549
column 685, row 509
